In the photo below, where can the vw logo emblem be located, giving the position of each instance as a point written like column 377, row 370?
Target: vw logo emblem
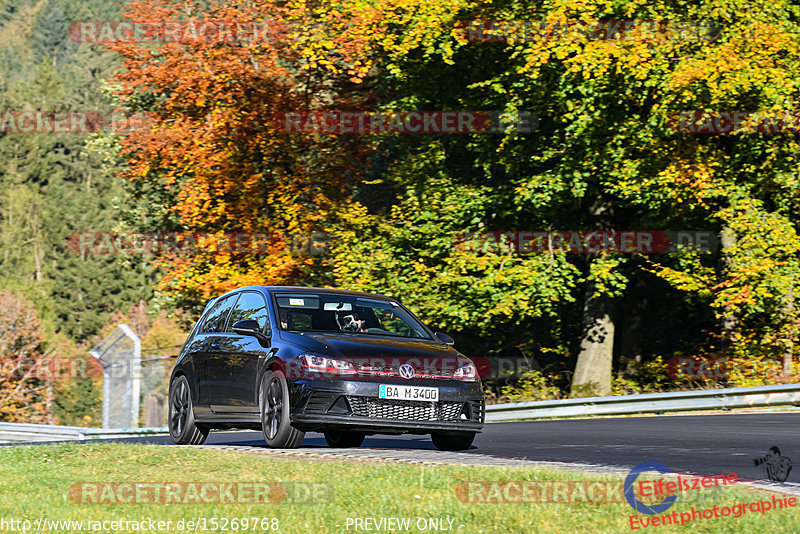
column 406, row 371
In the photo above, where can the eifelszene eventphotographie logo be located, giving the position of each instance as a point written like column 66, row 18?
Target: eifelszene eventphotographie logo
column 630, row 495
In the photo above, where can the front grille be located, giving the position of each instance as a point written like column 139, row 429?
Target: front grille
column 405, row 410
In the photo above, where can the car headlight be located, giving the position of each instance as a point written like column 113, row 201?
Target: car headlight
column 466, row 371
column 317, row 363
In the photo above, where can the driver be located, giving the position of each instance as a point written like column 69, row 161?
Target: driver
column 350, row 321
column 283, row 317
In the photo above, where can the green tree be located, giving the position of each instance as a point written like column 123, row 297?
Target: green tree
column 604, row 157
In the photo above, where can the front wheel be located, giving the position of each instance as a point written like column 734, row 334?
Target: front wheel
column 182, row 428
column 273, row 399
column 452, row 441
column 342, row 439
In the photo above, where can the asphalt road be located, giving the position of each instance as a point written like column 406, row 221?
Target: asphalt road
column 700, row 444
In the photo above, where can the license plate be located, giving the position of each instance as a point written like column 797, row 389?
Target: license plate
column 411, row 393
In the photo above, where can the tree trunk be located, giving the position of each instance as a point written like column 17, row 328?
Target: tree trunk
column 729, row 321
column 630, row 350
column 789, row 342
column 593, row 370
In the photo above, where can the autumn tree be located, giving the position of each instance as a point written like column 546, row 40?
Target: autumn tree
column 25, row 366
column 215, row 158
column 607, row 156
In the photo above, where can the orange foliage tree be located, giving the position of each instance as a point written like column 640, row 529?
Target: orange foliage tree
column 213, row 157
column 25, row 386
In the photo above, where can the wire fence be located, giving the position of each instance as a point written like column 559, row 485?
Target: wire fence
column 131, row 382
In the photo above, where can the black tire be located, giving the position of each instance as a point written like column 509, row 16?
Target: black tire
column 452, row 441
column 182, row 428
column 273, row 400
column 342, row 439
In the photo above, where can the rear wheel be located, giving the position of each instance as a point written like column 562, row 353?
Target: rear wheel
column 273, row 399
column 452, row 441
column 343, row 439
column 182, row 428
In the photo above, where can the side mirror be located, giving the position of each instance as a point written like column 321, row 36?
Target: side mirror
column 248, row 327
column 444, row 338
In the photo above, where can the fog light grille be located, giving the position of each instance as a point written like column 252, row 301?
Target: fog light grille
column 477, row 410
column 405, row 410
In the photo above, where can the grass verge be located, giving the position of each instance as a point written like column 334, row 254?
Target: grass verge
column 59, row 483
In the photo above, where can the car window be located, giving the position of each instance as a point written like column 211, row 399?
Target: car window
column 250, row 305
column 325, row 312
column 389, row 321
column 215, row 322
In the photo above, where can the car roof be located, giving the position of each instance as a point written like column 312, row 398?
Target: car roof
column 317, row 289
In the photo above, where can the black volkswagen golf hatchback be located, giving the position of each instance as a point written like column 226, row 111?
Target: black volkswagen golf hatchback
column 291, row 360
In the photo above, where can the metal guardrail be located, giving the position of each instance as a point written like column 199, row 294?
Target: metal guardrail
column 679, row 401
column 25, row 432
column 711, row 399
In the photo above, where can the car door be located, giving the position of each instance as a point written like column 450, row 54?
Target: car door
column 242, row 353
column 211, row 362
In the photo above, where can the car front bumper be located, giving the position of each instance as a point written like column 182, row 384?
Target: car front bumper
column 341, row 404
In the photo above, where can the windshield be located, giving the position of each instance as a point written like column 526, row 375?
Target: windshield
column 331, row 313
